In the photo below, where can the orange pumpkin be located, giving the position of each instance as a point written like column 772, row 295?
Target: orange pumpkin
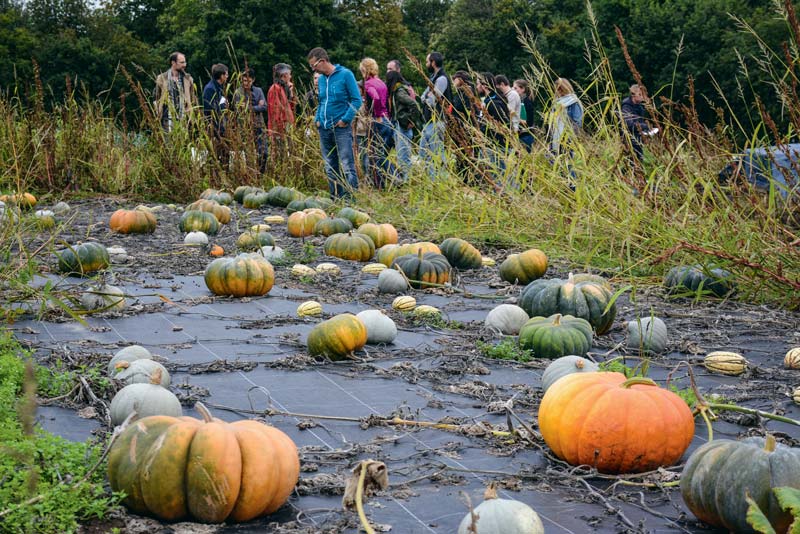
column 301, row 223
column 615, row 424
column 133, row 222
column 338, row 337
column 381, row 234
column 388, row 253
column 206, row 469
column 222, row 213
column 22, row 200
column 246, row 275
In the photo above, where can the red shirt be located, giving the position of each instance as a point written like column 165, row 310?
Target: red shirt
column 280, row 110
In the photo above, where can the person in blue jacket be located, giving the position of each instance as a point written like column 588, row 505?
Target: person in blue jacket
column 339, row 100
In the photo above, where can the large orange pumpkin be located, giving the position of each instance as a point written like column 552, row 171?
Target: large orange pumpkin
column 381, row 234
column 133, row 222
column 615, row 424
column 207, row 469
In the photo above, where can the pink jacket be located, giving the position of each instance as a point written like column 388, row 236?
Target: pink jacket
column 377, row 92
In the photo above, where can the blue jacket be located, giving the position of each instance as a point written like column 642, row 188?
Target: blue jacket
column 214, row 104
column 339, row 98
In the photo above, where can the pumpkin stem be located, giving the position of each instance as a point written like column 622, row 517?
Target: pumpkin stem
column 557, row 320
column 579, row 364
column 490, row 493
column 638, row 380
column 770, row 443
column 419, row 253
column 155, row 377
column 121, row 365
column 201, row 408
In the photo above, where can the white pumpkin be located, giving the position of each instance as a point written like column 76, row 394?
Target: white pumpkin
column 391, row 281
column 273, row 253
column 61, row 208
column 146, row 399
column 507, row 319
column 128, row 354
column 648, row 334
column 501, row 516
column 116, row 250
column 140, row 371
column 103, row 297
column 380, row 327
column 196, row 238
column 566, row 365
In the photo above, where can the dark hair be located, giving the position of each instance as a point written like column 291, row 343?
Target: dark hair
column 397, row 63
column 249, row 72
column 501, row 79
column 318, row 53
column 487, row 79
column 392, row 78
column 437, row 58
column 463, row 75
column 173, row 57
column 217, row 70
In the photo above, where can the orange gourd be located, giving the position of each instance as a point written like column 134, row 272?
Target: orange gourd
column 132, row 222
column 301, row 223
column 381, row 234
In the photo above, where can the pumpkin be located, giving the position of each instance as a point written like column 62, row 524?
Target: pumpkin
column 328, row 227
column 140, row 371
column 240, row 192
column 501, row 516
column 566, row 365
column 128, row 354
column 350, row 246
column 461, row 254
column 328, row 267
column 272, row 253
column 209, row 470
column 82, row 259
column 506, row 319
column 696, row 278
column 556, row 336
column 222, row 213
column 357, row 218
column 216, row 251
column 424, row 270
column 587, row 300
column 221, row 197
column 726, row 363
column 524, row 268
column 103, row 297
column 299, row 269
column 309, row 308
column 45, row 219
column 488, row 262
column 23, row 201
column 380, row 327
column 146, row 399
column 245, row 275
column 274, row 219
column 196, row 239
column 388, row 253
column 796, row 395
column 61, row 208
column 337, row 338
column 254, row 240
column 381, row 234
column 425, row 310
column 615, row 424
column 281, row 196
column 194, row 220
column 792, row 359
column 300, row 205
column 648, row 335
column 373, row 268
column 391, row 281
column 302, row 223
column 133, row 222
column 719, row 474
column 404, row 303
column 255, row 199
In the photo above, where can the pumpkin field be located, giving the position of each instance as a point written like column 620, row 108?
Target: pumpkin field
column 365, row 380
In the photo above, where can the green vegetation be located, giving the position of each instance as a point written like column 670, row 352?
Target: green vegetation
column 617, row 365
column 507, row 349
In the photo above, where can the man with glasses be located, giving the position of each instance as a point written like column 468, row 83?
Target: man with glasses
column 339, row 100
column 174, row 94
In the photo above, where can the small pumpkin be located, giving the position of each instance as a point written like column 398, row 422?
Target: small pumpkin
column 273, row 253
column 391, row 281
column 615, row 424
column 566, row 365
column 500, row 516
column 461, row 254
column 133, row 222
column 357, row 218
column 350, row 246
column 310, row 308
column 240, row 192
column 302, row 223
column 328, row 227
column 85, row 258
column 146, row 399
column 404, row 303
column 220, row 197
column 280, row 196
column 299, row 269
column 488, row 262
column 196, row 239
column 300, row 205
column 216, row 251
column 274, row 219
column 175, row 468
column 24, row 201
column 251, row 240
column 696, row 278
column 222, row 213
column 380, row 327
column 373, row 268
column 245, row 275
column 255, row 199
column 792, row 359
column 719, row 474
column 194, row 220
column 61, row 208
column 648, row 335
column 128, row 354
column 524, row 268
column 140, row 372
column 329, row 268
column 337, row 338
column 556, row 336
column 381, row 234
column 424, row 270
column 507, row 319
column 726, row 363
column 103, row 297
column 388, row 253
column 424, row 310
column 45, row 219
column 796, row 395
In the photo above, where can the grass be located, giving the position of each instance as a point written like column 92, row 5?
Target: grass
column 507, row 349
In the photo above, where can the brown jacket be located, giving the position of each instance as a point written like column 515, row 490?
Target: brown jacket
column 161, row 96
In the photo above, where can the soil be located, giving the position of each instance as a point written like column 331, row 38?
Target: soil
column 247, row 358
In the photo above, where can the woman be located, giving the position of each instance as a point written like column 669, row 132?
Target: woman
column 405, row 117
column 281, row 103
column 381, row 134
column 526, row 113
column 565, row 116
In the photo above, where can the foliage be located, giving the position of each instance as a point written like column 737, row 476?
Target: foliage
column 507, row 349
column 788, row 500
column 618, row 365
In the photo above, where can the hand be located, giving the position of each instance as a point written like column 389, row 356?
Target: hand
column 340, row 124
column 317, row 124
column 262, row 102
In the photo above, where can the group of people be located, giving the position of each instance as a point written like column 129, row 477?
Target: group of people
column 360, row 122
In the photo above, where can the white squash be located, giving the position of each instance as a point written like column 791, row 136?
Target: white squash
column 566, row 365
column 391, row 281
column 103, row 297
column 273, row 253
column 146, row 399
column 507, row 319
column 501, row 516
column 128, row 354
column 140, row 371
column 61, row 208
column 380, row 327
column 196, row 238
column 648, row 334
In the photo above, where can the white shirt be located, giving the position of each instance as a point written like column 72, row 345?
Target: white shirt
column 514, row 107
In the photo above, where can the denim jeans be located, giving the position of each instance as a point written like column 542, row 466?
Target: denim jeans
column 431, row 147
column 380, row 143
column 402, row 142
column 336, row 145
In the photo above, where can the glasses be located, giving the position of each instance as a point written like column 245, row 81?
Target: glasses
column 317, row 62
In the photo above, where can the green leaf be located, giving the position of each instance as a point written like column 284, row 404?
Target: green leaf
column 756, row 518
column 789, row 500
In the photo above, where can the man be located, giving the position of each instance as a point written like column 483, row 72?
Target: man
column 633, row 114
column 339, row 100
column 512, row 99
column 249, row 101
column 281, row 103
column 214, row 106
column 174, row 93
column 435, row 102
column 394, row 65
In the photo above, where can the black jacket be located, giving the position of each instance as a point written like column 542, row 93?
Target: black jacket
column 633, row 115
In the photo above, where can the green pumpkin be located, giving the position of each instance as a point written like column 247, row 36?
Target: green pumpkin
column 525, row 267
column 245, row 275
column 244, row 190
column 357, row 218
column 85, row 258
column 338, row 337
column 350, row 246
column 461, row 254
column 199, row 221
column 280, row 196
column 422, row 270
column 330, row 226
column 696, row 278
column 254, row 240
column 300, row 205
column 254, row 199
column 648, row 335
column 566, row 365
column 223, row 198
column 587, row 300
column 719, row 473
column 556, row 336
